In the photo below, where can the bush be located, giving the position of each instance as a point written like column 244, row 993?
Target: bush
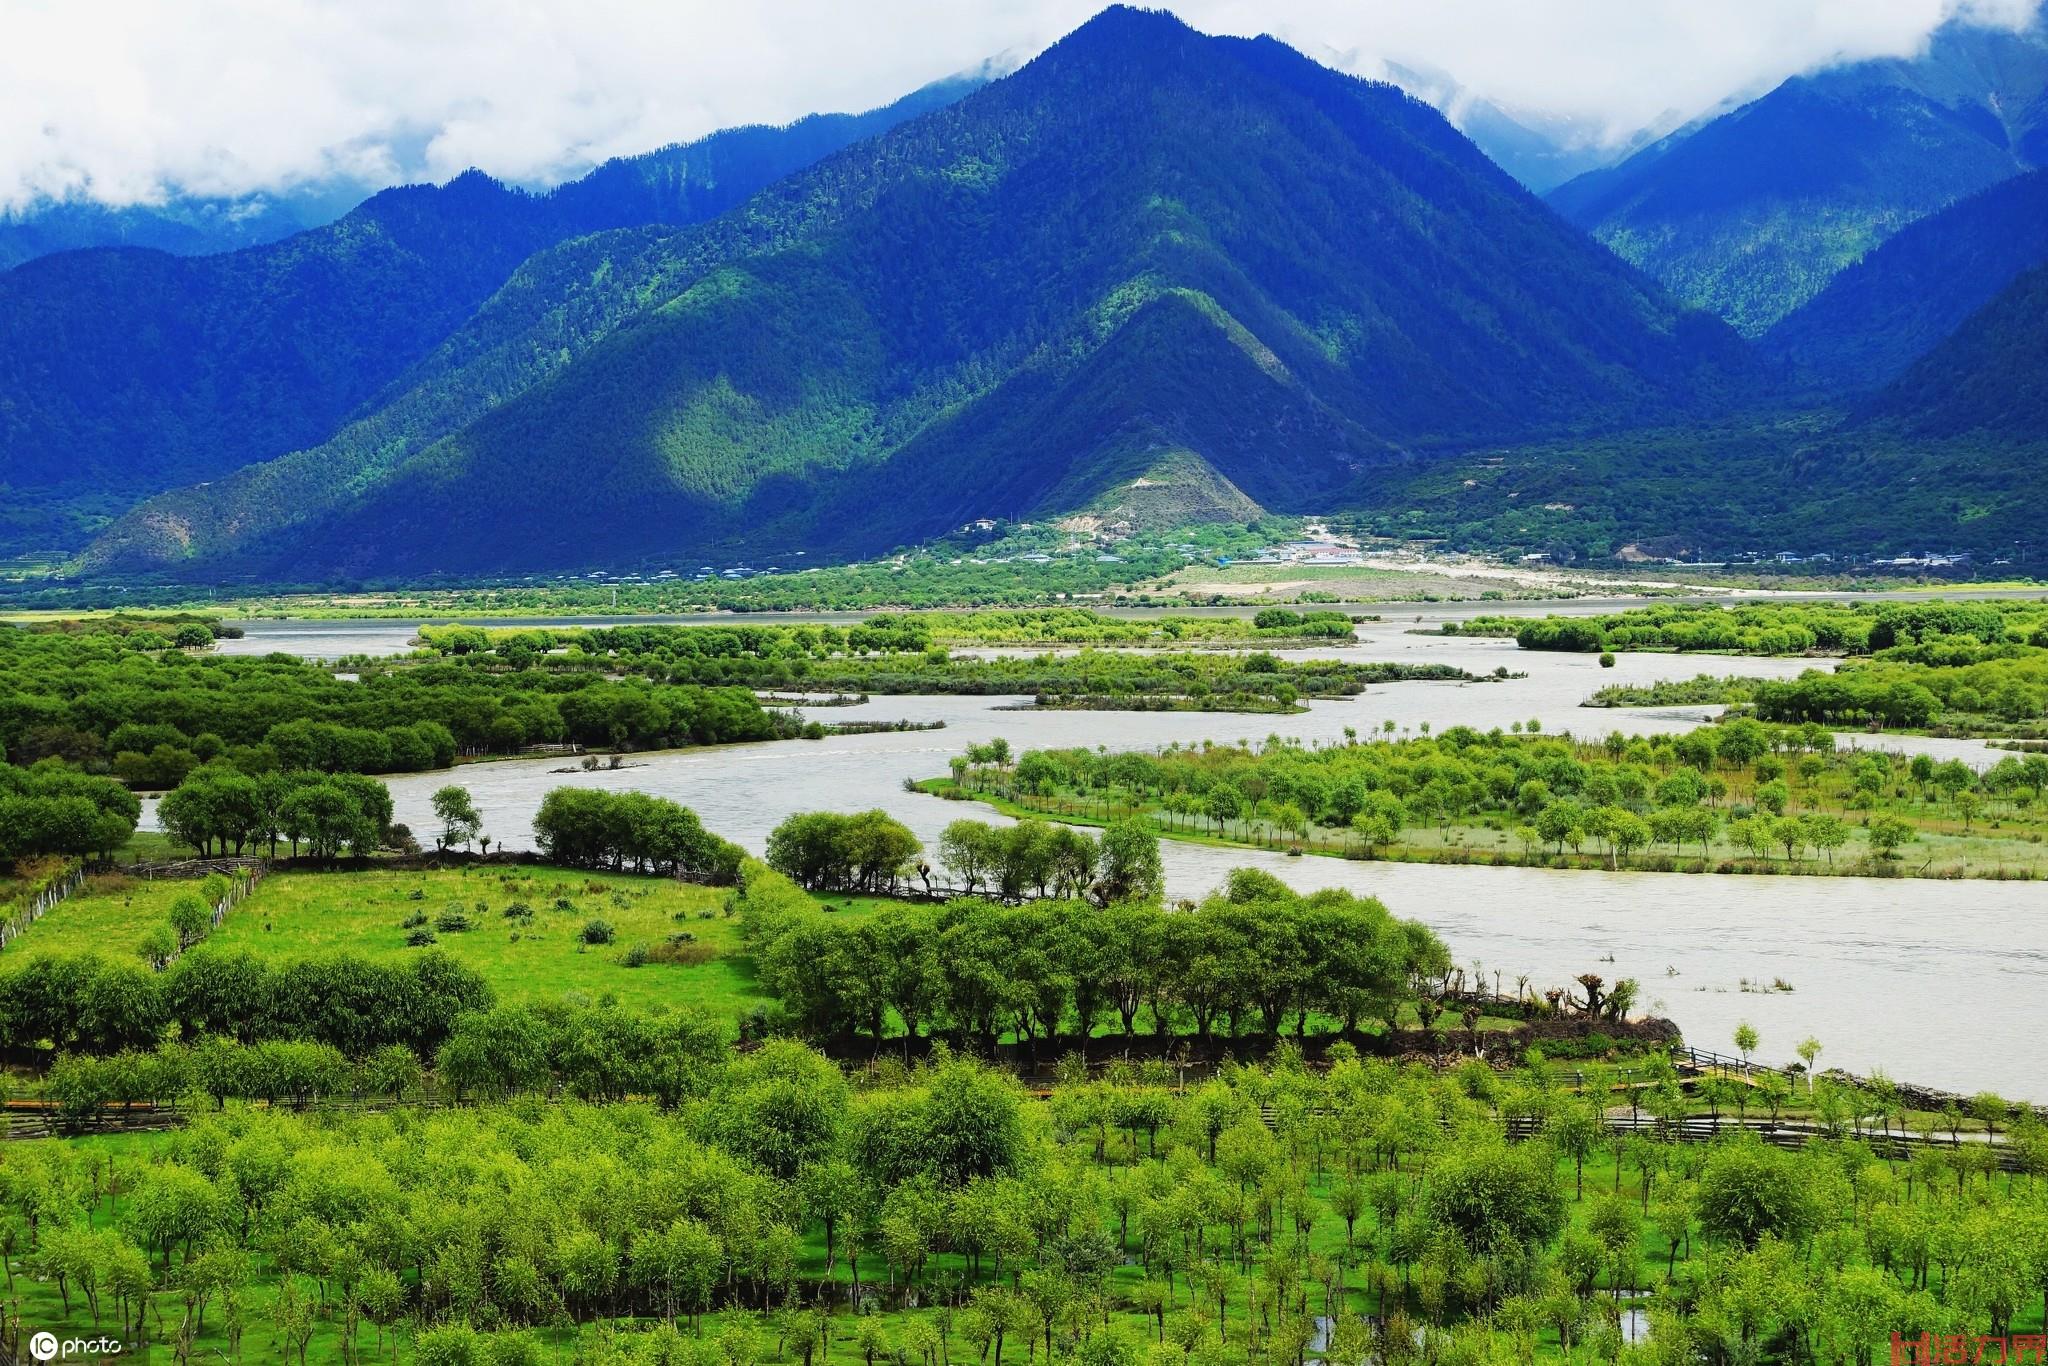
column 597, row 932
column 634, row 957
column 452, row 922
column 420, row 938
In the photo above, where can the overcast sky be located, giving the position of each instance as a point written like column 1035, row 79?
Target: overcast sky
column 123, row 100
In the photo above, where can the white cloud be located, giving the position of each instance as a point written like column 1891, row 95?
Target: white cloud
column 126, row 99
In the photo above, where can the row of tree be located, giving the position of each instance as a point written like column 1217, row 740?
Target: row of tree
column 86, row 1003
column 1254, row 957
column 220, row 809
column 594, row 1052
column 872, row 852
column 586, row 827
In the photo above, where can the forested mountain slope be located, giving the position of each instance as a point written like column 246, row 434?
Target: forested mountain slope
column 1147, row 245
column 1896, row 304
column 1990, row 379
column 127, row 371
column 1752, row 213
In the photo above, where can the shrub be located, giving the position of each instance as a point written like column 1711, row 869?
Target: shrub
column 452, row 922
column 597, row 932
column 420, row 938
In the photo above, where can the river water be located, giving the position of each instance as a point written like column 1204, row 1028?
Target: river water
column 1935, row 982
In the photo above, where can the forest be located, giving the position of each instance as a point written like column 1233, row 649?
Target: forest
column 1950, row 668
column 150, row 711
column 1742, row 796
column 1060, row 656
column 766, row 1205
column 1928, row 632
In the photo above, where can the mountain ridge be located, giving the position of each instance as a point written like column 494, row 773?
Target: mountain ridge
column 1752, row 212
column 212, row 364
column 1899, row 302
column 968, row 289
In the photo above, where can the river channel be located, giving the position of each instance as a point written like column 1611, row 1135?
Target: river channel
column 1933, row 982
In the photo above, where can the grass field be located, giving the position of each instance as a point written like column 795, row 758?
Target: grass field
column 108, row 915
column 524, row 958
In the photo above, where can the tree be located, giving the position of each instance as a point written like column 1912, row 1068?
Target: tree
column 1745, row 1041
column 190, row 920
column 1827, row 834
column 1575, row 1128
column 1888, row 834
column 158, row 946
column 460, row 820
column 1497, row 1198
column 1809, row 1053
column 1561, row 822
column 171, row 1207
column 1129, row 867
column 865, row 852
column 1223, row 805
column 1626, row 833
column 1967, row 805
column 782, row 1108
column 1748, row 1191
column 969, row 850
column 1753, row 836
column 215, row 805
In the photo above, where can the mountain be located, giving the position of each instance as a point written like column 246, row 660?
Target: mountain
column 1539, row 149
column 1988, row 380
column 126, row 371
column 1752, row 213
column 1541, row 153
column 1881, row 314
column 182, row 225
column 1147, row 249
